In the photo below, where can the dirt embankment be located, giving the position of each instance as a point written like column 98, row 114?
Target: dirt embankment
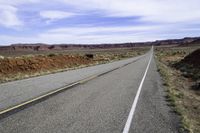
column 190, row 66
column 179, row 68
column 25, row 66
column 193, row 59
column 40, row 63
column 13, row 68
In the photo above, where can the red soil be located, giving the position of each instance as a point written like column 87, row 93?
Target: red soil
column 40, row 63
column 193, row 59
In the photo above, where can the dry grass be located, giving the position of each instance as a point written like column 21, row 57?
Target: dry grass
column 184, row 100
column 15, row 68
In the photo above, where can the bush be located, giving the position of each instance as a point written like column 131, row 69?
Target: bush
column 51, row 55
column 91, row 56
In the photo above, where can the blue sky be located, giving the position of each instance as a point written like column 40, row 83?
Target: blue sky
column 97, row 21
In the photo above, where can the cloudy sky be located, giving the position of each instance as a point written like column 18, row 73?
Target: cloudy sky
column 97, row 21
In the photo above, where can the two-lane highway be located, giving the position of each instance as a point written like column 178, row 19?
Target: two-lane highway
column 102, row 105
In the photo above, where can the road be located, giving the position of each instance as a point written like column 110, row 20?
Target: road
column 101, row 105
column 16, row 92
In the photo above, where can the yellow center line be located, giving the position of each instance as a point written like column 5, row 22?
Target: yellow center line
column 47, row 94
column 88, row 79
column 50, row 93
column 37, row 98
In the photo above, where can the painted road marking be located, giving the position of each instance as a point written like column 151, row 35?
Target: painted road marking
column 88, row 79
column 37, row 98
column 131, row 113
column 61, row 89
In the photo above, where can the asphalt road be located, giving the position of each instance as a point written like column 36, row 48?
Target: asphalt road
column 101, row 105
column 16, row 92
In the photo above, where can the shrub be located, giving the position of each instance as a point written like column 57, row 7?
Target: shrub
column 51, row 55
column 91, row 56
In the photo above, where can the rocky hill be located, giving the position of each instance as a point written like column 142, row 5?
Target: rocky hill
column 46, row 47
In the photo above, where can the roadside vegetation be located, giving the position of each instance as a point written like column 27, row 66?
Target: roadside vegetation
column 25, row 66
column 179, row 68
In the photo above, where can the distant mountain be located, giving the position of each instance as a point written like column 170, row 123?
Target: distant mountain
column 195, row 42
column 45, row 47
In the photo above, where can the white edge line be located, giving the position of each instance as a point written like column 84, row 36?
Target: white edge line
column 131, row 113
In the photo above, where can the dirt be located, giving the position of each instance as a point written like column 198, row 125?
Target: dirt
column 180, row 82
column 20, row 67
column 193, row 59
column 39, row 63
column 190, row 67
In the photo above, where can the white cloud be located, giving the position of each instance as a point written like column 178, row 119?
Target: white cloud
column 18, row 2
column 173, row 17
column 151, row 10
column 112, row 33
column 99, row 35
column 53, row 15
column 103, row 30
column 8, row 16
column 92, row 35
column 8, row 12
column 165, row 11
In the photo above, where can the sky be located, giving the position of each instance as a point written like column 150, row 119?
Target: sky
column 97, row 21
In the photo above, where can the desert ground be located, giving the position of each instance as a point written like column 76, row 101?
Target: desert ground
column 180, row 70
column 25, row 64
column 179, row 67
